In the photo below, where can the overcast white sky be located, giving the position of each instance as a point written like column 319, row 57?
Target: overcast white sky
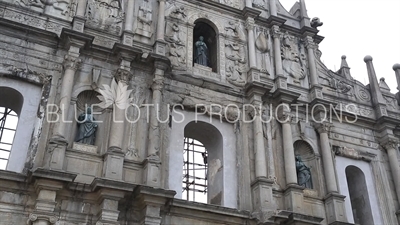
column 357, row 28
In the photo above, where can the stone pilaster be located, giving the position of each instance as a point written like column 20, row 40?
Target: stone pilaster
column 294, row 198
column 272, row 8
column 43, row 213
column 311, row 47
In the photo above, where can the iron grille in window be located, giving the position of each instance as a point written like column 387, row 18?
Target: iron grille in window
column 8, row 125
column 194, row 185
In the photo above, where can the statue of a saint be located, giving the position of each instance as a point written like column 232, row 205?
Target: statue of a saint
column 201, row 56
column 303, row 174
column 86, row 128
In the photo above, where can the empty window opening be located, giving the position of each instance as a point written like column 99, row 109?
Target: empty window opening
column 194, row 184
column 359, row 197
column 8, row 127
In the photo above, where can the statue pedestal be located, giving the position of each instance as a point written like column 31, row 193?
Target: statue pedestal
column 206, row 68
column 143, row 36
column 84, row 147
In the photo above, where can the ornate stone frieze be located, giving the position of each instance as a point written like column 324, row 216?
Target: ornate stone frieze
column 30, row 75
column 294, row 64
column 178, row 12
column 105, row 15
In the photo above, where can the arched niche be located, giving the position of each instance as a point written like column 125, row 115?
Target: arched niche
column 206, row 29
column 305, row 152
column 89, row 98
column 359, row 197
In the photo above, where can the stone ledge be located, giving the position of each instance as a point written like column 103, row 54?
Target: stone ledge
column 54, row 174
column 13, row 176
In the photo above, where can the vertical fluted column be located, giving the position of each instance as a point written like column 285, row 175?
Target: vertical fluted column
column 310, row 45
column 259, row 148
column 391, row 148
column 277, row 50
column 396, row 68
column 272, row 8
column 251, row 41
column 288, row 150
column 161, row 20
column 71, row 64
column 327, row 158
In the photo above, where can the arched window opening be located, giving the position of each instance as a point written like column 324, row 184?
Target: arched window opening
column 204, row 143
column 194, row 185
column 359, row 199
column 8, row 127
column 205, row 46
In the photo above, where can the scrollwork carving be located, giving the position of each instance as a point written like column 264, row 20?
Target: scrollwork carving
column 293, row 59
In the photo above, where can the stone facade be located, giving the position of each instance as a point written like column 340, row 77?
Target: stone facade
column 264, row 99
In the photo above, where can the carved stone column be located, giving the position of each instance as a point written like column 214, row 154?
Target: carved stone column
column 329, row 169
column 334, row 202
column 44, row 214
column 58, row 142
column 114, row 157
column 288, row 150
column 311, row 46
column 251, row 42
column 127, row 37
column 161, row 20
column 152, row 163
column 276, row 34
column 78, row 23
column 391, row 148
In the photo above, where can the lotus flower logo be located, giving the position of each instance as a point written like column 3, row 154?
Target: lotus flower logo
column 117, row 94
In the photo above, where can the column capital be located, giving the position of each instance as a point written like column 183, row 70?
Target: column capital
column 323, row 127
column 276, row 31
column 123, row 75
column 48, row 217
column 250, row 23
column 309, row 42
column 71, row 62
column 158, row 84
column 391, row 144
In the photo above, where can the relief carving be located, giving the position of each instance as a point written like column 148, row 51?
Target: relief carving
column 340, row 86
column 107, row 15
column 235, row 64
column 293, row 61
column 259, row 4
column 263, row 47
column 177, row 55
column 145, row 18
column 178, row 12
column 235, row 29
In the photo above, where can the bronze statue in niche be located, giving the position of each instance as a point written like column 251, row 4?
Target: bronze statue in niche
column 86, row 128
column 201, row 52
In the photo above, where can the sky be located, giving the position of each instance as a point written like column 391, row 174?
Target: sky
column 357, row 28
